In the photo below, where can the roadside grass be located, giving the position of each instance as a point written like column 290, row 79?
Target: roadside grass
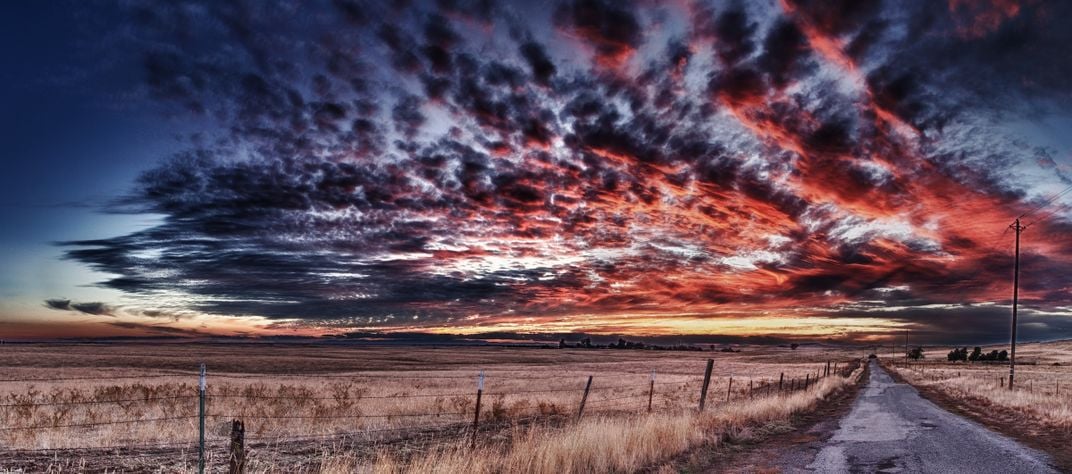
column 614, row 444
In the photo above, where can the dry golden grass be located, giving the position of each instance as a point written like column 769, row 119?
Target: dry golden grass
column 612, row 444
column 287, row 392
column 1043, row 394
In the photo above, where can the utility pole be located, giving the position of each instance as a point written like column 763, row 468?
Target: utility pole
column 1015, row 299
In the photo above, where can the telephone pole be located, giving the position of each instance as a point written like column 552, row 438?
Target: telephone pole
column 1015, row 299
column 906, row 349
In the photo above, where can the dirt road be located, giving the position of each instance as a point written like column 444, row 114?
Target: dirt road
column 891, row 428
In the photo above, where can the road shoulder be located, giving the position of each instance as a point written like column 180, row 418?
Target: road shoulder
column 768, row 448
column 1008, row 422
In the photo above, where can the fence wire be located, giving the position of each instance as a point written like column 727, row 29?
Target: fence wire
column 636, row 401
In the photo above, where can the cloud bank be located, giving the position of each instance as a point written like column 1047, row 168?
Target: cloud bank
column 456, row 165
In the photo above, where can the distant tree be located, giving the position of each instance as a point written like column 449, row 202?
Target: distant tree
column 562, row 344
column 976, row 354
column 916, row 353
column 1003, row 355
column 586, row 342
column 958, row 354
column 794, row 346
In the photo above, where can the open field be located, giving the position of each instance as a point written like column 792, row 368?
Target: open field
column 390, row 409
column 1038, row 411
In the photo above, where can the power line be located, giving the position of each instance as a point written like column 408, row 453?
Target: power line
column 1047, row 202
column 1048, row 214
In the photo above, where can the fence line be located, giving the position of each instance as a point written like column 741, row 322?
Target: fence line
column 169, row 444
column 209, row 396
column 96, row 423
column 94, row 402
column 117, row 377
column 328, row 417
column 638, row 401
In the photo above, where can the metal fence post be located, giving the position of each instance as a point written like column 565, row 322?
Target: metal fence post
column 201, row 422
column 476, row 413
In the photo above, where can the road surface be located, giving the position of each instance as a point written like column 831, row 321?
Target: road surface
column 891, row 428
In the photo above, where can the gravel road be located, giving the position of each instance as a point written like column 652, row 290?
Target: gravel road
column 891, row 428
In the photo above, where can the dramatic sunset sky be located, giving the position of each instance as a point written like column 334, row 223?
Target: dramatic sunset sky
column 842, row 170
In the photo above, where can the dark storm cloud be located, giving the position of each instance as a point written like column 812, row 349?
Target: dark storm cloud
column 836, row 17
column 536, row 56
column 611, row 28
column 731, row 30
column 416, row 166
column 56, row 303
column 784, row 51
column 94, row 308
column 997, row 65
column 157, row 329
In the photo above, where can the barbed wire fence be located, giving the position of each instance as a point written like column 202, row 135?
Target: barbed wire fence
column 614, row 398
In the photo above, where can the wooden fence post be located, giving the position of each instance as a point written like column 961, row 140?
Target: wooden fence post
column 729, row 389
column 706, row 382
column 781, row 377
column 807, row 381
column 237, row 461
column 651, row 390
column 476, row 413
column 749, row 388
column 584, row 398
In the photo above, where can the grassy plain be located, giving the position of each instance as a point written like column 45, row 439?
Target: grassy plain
column 341, row 408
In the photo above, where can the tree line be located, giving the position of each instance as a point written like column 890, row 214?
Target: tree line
column 977, row 355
